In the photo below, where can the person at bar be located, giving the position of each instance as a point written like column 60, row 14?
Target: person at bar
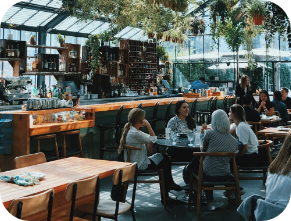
column 199, row 84
column 265, row 105
column 278, row 189
column 134, row 137
column 285, row 99
column 242, row 89
column 251, row 114
column 182, row 123
column 280, row 107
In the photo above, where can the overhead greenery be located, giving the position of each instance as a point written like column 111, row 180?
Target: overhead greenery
column 93, row 43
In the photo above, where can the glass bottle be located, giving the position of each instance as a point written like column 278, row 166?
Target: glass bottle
column 54, row 65
column 12, row 52
column 50, row 65
column 17, row 51
column 8, row 52
column 64, row 64
column 45, row 65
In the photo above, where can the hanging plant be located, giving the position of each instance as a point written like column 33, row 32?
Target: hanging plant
column 161, row 51
column 159, row 36
column 198, row 26
column 257, row 10
column 179, row 5
column 218, row 8
column 151, row 35
column 93, row 43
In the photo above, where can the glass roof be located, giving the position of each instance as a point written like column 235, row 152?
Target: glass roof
column 36, row 17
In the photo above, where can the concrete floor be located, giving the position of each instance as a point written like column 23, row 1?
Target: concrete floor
column 148, row 205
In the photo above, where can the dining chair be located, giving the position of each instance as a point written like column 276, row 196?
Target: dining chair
column 201, row 184
column 207, row 112
column 79, row 189
column 149, row 173
column 193, row 109
column 26, row 206
column 265, row 161
column 71, row 151
column 29, row 160
column 109, row 208
column 256, row 126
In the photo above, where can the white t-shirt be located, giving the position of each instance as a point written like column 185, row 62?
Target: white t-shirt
column 247, row 136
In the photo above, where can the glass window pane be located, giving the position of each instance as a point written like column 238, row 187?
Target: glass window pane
column 11, row 11
column 22, row 16
column 78, row 26
column 37, row 19
column 48, row 20
column 66, row 23
column 122, row 32
column 91, row 27
column 101, row 29
column 55, row 4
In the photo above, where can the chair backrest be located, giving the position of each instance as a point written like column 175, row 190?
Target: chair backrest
column 25, row 206
column 225, row 103
column 139, row 106
column 209, row 103
column 128, row 149
column 155, row 111
column 81, row 188
column 193, row 108
column 118, row 116
column 168, row 111
column 267, row 152
column 121, row 175
column 213, row 106
column 276, row 113
column 29, row 160
column 256, row 126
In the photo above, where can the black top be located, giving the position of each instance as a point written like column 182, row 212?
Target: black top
column 239, row 92
column 269, row 105
column 287, row 102
column 252, row 115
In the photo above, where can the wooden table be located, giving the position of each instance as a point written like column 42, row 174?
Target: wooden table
column 269, row 130
column 267, row 121
column 59, row 174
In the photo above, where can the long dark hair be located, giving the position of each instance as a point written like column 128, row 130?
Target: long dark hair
column 238, row 112
column 190, row 121
column 266, row 93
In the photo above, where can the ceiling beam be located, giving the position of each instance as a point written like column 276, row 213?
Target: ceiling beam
column 69, row 33
column 36, row 7
column 57, row 20
column 19, row 27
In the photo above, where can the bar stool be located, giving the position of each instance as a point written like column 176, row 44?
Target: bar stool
column 139, row 106
column 193, row 109
column 116, row 127
column 153, row 120
column 225, row 106
column 202, row 113
column 43, row 137
column 168, row 112
column 71, row 151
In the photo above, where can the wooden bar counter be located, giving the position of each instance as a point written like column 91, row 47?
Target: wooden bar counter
column 99, row 113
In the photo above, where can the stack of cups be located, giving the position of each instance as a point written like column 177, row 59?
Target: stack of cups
column 167, row 133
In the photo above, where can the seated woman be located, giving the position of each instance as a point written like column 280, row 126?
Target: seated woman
column 134, row 137
column 265, row 105
column 278, row 188
column 217, row 139
column 182, row 123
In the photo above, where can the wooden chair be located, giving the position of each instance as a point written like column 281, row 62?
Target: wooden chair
column 193, row 109
column 154, row 119
column 265, row 162
column 79, row 189
column 44, row 137
column 29, row 160
column 147, row 173
column 256, row 126
column 71, row 152
column 26, row 206
column 109, row 208
column 206, row 185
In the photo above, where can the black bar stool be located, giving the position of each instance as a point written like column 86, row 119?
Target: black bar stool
column 193, row 109
column 225, row 106
column 116, row 127
column 139, row 106
column 168, row 112
column 153, row 120
column 202, row 113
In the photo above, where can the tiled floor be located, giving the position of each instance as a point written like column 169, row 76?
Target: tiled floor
column 148, row 205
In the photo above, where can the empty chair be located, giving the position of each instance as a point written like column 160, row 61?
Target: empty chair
column 193, row 108
column 26, row 206
column 76, row 190
column 225, row 106
column 109, row 208
column 153, row 120
column 139, row 106
column 202, row 113
column 29, row 160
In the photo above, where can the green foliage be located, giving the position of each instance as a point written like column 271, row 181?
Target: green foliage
column 161, row 52
column 284, row 76
column 93, row 43
column 105, row 36
column 255, row 8
column 198, row 26
column 258, row 77
column 60, row 39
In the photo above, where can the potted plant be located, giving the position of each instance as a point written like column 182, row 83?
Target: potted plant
column 159, row 36
column 10, row 35
column 116, row 41
column 61, row 40
column 218, row 8
column 198, row 26
column 257, row 10
column 32, row 40
column 151, row 35
column 161, row 52
column 179, row 5
column 105, row 38
column 93, row 43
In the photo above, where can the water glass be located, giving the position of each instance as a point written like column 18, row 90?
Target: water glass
column 190, row 135
column 264, row 115
column 197, row 138
column 174, row 137
column 167, row 132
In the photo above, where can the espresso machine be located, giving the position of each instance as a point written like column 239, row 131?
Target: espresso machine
column 14, row 89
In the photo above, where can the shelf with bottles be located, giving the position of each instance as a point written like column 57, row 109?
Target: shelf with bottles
column 70, row 57
column 48, row 47
column 44, row 73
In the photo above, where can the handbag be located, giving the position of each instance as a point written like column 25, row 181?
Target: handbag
column 116, row 194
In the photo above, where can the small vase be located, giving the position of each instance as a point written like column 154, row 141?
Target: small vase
column 117, row 45
column 106, row 43
column 10, row 36
column 62, row 45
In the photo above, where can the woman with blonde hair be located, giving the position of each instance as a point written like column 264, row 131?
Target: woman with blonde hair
column 278, row 188
column 134, row 137
column 242, row 89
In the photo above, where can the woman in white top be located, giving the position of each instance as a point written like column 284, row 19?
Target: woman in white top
column 248, row 153
column 278, row 188
column 134, row 137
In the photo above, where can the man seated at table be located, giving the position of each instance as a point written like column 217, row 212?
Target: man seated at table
column 251, row 114
column 285, row 99
column 199, row 84
column 280, row 107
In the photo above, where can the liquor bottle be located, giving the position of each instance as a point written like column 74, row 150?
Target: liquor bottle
column 75, row 68
column 54, row 65
column 50, row 65
column 49, row 95
column 44, row 92
column 34, row 93
column 17, row 51
column 8, row 52
column 45, row 65
column 34, row 65
column 12, row 52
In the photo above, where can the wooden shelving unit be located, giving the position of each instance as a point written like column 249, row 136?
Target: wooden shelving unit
column 142, row 61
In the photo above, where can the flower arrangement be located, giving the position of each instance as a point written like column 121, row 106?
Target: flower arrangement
column 60, row 39
column 198, row 26
column 93, row 43
column 32, row 40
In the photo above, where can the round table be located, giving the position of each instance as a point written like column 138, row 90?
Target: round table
column 182, row 143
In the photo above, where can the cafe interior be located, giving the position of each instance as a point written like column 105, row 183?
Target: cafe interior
column 145, row 110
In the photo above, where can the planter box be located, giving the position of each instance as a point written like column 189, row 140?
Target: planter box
column 217, row 93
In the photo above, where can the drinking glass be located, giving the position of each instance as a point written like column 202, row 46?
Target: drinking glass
column 264, row 115
column 190, row 137
column 197, row 138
